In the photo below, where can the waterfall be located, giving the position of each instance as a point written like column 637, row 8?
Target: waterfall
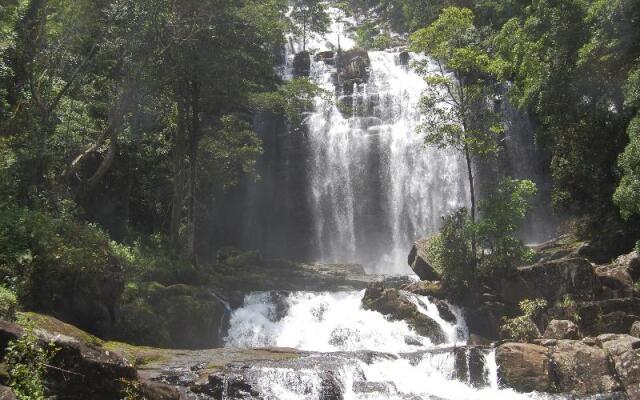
column 367, row 355
column 375, row 187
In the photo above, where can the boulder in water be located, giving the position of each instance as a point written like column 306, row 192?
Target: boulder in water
column 419, row 260
column 524, row 366
column 397, row 306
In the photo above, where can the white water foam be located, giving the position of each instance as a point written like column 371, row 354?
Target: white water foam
column 339, row 328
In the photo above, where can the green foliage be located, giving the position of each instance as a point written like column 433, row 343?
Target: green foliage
column 292, row 98
column 131, row 390
column 27, row 360
column 311, row 17
column 503, row 212
column 8, row 304
column 40, row 252
column 552, row 51
column 627, row 194
column 522, row 328
column 531, row 307
column 451, row 252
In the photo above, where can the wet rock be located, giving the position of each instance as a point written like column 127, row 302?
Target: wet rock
column 353, row 68
column 397, row 306
column 469, row 365
column 551, row 280
column 412, row 340
column 330, row 387
column 419, row 261
column 301, row 64
column 404, row 58
column 6, row 393
column 327, row 57
column 582, row 369
column 373, row 387
column 425, row 288
column 445, row 311
column 524, row 366
column 562, row 329
column 279, row 299
column 226, row 386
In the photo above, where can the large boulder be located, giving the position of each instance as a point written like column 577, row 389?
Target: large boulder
column 562, row 329
column 623, row 350
column 551, row 280
column 82, row 367
column 611, row 242
column 599, row 317
column 419, row 261
column 397, row 306
column 6, row 393
column 619, row 276
column 582, row 369
column 524, row 366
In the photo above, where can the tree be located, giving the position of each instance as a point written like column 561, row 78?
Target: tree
column 503, row 212
column 312, row 16
column 454, row 105
column 627, row 195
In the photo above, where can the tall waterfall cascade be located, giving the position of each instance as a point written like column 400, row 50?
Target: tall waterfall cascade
column 375, row 187
column 370, row 188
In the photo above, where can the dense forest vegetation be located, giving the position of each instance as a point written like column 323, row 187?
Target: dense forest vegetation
column 123, row 124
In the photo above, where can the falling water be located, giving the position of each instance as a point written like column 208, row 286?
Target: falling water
column 375, row 186
column 367, row 355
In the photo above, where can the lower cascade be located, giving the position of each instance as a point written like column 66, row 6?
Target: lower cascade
column 355, row 353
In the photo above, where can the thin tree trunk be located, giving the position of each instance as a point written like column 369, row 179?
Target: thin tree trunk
column 177, row 201
column 194, row 138
column 467, row 156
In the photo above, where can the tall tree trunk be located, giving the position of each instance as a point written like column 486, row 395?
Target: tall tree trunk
column 467, row 156
column 178, row 197
column 194, row 137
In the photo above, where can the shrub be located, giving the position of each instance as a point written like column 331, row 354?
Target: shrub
column 531, row 308
column 522, row 328
column 503, row 212
column 60, row 266
column 27, row 360
column 8, row 304
column 452, row 250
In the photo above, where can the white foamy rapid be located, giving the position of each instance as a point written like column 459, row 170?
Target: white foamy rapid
column 375, row 187
column 369, row 356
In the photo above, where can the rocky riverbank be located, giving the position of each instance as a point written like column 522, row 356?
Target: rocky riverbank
column 585, row 340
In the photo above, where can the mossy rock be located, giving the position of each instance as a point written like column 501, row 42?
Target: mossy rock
column 180, row 316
